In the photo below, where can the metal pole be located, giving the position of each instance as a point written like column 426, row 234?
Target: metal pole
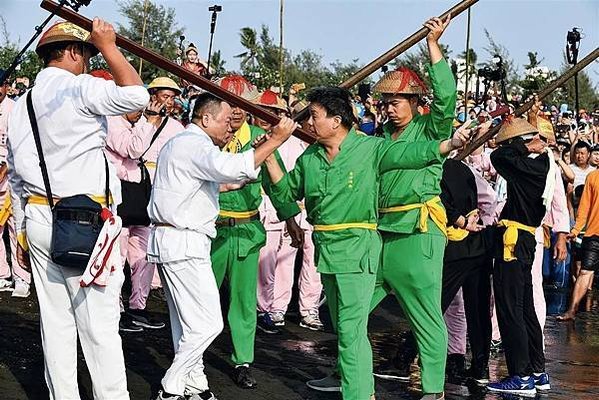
column 143, row 33
column 467, row 58
column 281, row 10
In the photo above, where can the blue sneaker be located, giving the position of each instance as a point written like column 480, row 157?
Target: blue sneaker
column 516, row 385
column 541, row 381
column 266, row 325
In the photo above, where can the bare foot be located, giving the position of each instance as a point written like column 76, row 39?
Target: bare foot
column 567, row 316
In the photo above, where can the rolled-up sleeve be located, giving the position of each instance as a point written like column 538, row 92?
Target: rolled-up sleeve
column 101, row 97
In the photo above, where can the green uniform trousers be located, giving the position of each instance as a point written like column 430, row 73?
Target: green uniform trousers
column 412, row 267
column 348, row 298
column 235, row 258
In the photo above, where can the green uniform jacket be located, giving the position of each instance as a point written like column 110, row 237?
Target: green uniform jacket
column 249, row 198
column 346, row 191
column 403, row 187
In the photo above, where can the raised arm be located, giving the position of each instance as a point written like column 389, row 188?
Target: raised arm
column 443, row 83
column 103, row 37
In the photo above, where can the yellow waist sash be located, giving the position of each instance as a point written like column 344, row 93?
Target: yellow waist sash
column 237, row 214
column 431, row 208
column 43, row 201
column 510, row 237
column 6, row 209
column 347, row 225
column 150, row 164
column 458, row 234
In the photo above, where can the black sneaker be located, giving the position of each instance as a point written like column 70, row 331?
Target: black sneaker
column 243, row 377
column 126, row 324
column 454, row 368
column 266, row 324
column 142, row 318
column 480, row 375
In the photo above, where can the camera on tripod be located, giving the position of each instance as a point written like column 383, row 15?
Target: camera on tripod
column 493, row 74
column 215, row 8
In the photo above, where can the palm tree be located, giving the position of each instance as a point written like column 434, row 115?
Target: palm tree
column 472, row 58
column 217, row 64
column 248, row 39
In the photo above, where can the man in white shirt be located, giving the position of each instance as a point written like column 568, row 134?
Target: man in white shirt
column 581, row 166
column 184, row 208
column 70, row 108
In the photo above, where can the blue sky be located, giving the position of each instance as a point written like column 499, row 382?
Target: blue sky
column 350, row 29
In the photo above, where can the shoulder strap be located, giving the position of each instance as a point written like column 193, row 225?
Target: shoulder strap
column 38, row 145
column 107, row 188
column 160, row 128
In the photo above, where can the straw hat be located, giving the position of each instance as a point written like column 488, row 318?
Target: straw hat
column 514, row 127
column 240, row 86
column 545, row 129
column 400, row 81
column 270, row 99
column 164, row 82
column 65, row 32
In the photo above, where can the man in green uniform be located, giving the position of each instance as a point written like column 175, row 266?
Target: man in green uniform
column 412, row 219
column 240, row 236
column 338, row 177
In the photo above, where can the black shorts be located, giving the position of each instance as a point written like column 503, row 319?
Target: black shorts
column 590, row 253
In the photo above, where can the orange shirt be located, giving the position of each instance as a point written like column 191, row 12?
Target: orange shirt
column 588, row 210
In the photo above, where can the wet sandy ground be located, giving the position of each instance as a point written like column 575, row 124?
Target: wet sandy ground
column 284, row 362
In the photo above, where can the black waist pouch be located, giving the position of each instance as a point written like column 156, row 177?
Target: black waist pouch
column 76, row 225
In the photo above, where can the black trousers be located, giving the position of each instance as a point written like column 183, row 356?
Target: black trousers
column 518, row 323
column 473, row 275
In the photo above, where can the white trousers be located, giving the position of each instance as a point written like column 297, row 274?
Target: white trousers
column 67, row 311
column 196, row 320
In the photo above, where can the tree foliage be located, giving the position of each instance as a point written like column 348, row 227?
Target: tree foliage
column 417, row 60
column 30, row 63
column 260, row 63
column 161, row 32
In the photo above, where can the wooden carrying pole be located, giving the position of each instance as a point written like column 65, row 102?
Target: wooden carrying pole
column 168, row 65
column 556, row 83
column 390, row 55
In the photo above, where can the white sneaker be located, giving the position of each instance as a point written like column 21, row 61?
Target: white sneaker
column 21, row 288
column 5, row 285
column 312, row 321
column 278, row 318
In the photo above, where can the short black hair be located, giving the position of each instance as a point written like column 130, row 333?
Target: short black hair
column 582, row 145
column 336, row 101
column 206, row 103
column 55, row 51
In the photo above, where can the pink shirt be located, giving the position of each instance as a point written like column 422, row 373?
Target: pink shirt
column 125, row 144
column 289, row 152
column 486, row 200
column 557, row 217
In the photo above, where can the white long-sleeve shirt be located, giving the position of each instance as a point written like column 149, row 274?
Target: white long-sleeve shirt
column 71, row 115
column 185, row 192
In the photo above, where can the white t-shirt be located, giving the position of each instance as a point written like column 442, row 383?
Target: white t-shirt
column 580, row 175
